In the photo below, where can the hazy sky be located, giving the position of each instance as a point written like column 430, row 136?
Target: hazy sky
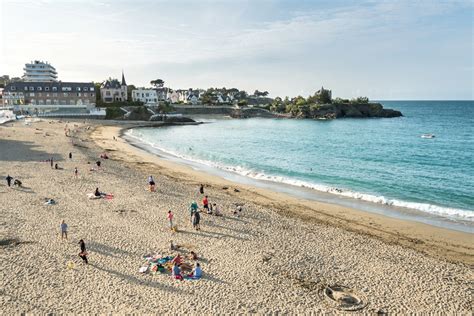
column 380, row 49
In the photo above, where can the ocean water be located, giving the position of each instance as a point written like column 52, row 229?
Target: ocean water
column 382, row 161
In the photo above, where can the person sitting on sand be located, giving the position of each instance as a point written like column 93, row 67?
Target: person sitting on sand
column 201, row 189
column 98, row 163
column 151, row 183
column 56, row 166
column 216, row 210
column 176, row 272
column 97, row 192
column 193, row 255
column 177, row 259
column 197, row 272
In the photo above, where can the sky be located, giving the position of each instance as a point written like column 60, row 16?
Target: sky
column 385, row 50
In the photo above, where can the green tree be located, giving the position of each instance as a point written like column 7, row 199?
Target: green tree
column 324, row 97
column 157, row 83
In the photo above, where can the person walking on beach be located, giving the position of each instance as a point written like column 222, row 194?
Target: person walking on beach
column 83, row 253
column 192, row 209
column 151, row 183
column 75, row 172
column 170, row 218
column 196, row 220
column 63, row 229
column 52, row 162
column 201, row 189
column 70, row 155
column 9, row 180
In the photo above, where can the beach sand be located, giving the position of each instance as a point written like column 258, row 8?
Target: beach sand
column 278, row 256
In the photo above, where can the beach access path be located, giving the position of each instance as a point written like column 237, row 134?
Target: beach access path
column 276, row 257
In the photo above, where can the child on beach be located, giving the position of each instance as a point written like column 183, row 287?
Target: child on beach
column 63, row 229
column 170, row 219
column 205, row 203
column 151, row 183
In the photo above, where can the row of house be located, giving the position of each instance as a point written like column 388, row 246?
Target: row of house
column 39, row 86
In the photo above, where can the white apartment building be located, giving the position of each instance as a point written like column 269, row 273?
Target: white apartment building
column 147, row 96
column 38, row 71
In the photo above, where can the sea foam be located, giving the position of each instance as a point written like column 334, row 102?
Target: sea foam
column 453, row 213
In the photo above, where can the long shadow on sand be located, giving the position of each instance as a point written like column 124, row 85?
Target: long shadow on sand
column 107, row 250
column 137, row 281
column 10, row 148
column 210, row 234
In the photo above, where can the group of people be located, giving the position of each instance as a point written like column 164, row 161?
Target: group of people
column 9, row 179
column 176, row 271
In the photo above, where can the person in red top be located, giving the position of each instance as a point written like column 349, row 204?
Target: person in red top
column 205, row 202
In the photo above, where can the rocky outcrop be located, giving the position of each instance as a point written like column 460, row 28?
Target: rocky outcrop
column 357, row 110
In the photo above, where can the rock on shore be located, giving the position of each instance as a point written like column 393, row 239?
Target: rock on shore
column 341, row 110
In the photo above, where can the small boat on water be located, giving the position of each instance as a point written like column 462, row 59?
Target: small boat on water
column 428, row 136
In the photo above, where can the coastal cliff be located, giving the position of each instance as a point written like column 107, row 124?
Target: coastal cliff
column 349, row 110
column 315, row 111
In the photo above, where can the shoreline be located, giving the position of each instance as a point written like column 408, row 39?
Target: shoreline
column 309, row 193
column 451, row 245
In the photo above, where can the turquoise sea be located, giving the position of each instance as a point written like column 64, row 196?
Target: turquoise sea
column 380, row 161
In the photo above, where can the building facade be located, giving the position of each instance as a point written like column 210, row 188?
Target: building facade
column 112, row 90
column 50, row 94
column 38, row 71
column 147, row 96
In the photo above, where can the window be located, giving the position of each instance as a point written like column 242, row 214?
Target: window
column 40, row 102
column 55, row 101
column 71, row 102
column 78, row 94
column 65, row 94
column 92, row 94
column 107, row 93
column 55, row 94
column 46, row 88
column 48, row 101
column 39, row 94
column 32, row 94
column 91, row 89
column 55, row 88
column 39, row 89
column 26, row 88
column 47, row 94
column 32, row 88
column 78, row 88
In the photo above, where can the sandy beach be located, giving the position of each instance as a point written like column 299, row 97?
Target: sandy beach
column 279, row 256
